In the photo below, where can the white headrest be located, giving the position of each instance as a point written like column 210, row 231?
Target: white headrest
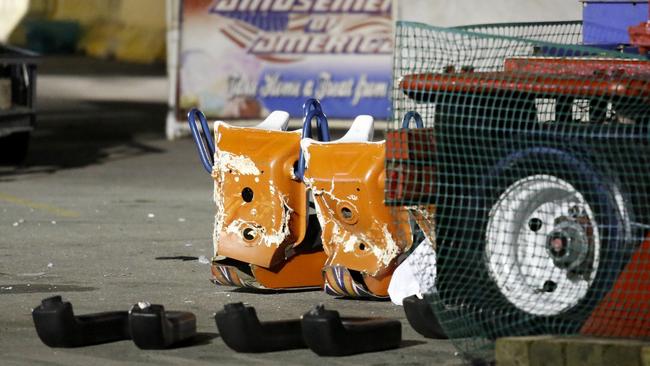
column 361, row 130
column 276, row 121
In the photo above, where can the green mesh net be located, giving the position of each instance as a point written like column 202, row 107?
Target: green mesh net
column 534, row 156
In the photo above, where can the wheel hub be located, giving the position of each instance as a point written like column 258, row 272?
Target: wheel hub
column 568, row 245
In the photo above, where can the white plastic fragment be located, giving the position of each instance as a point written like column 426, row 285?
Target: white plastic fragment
column 50, row 265
column 151, row 215
column 204, row 260
column 143, row 305
column 414, row 276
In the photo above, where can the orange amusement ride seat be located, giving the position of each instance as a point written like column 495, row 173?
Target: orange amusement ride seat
column 263, row 237
column 347, row 178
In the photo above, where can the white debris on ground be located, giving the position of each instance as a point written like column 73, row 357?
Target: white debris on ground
column 181, row 219
column 188, row 244
column 204, row 260
column 50, row 265
column 151, row 215
column 416, row 275
column 37, row 274
column 6, row 288
column 53, row 222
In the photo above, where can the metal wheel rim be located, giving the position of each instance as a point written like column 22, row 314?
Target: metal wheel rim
column 516, row 256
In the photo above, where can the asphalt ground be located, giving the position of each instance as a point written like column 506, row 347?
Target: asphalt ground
column 106, row 212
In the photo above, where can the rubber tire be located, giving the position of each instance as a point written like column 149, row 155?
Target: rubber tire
column 463, row 278
column 13, row 148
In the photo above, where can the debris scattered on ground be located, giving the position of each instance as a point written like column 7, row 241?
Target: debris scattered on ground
column 151, row 215
column 50, row 265
column 181, row 219
column 204, row 260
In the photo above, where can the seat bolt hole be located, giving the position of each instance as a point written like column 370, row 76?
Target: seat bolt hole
column 247, row 194
column 346, row 213
column 248, row 234
column 549, row 286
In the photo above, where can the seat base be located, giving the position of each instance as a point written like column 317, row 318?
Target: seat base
column 301, row 271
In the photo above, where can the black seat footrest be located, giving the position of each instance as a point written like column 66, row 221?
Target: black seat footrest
column 421, row 317
column 327, row 334
column 154, row 328
column 241, row 330
column 57, row 326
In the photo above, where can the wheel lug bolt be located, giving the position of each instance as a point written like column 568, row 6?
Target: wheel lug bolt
column 575, row 211
column 535, row 224
column 549, row 286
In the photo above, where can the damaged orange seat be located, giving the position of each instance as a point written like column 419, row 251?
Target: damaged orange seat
column 347, row 178
column 263, row 237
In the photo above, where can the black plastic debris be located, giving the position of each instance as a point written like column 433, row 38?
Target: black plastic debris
column 327, row 334
column 241, row 330
column 57, row 326
column 154, row 328
column 149, row 326
column 421, row 317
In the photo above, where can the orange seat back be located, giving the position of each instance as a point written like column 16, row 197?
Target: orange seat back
column 359, row 232
column 261, row 208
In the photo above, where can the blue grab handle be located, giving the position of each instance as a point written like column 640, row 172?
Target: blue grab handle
column 203, row 141
column 311, row 104
column 312, row 110
column 412, row 115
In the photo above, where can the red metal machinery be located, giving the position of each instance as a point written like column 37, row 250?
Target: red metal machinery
column 467, row 100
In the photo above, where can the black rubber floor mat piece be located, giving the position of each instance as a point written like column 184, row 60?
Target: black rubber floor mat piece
column 57, row 326
column 154, row 328
column 327, row 334
column 422, row 319
column 241, row 330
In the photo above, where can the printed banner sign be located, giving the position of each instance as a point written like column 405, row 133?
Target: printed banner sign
column 244, row 58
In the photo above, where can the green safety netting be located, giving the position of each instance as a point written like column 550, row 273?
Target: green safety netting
column 534, row 159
